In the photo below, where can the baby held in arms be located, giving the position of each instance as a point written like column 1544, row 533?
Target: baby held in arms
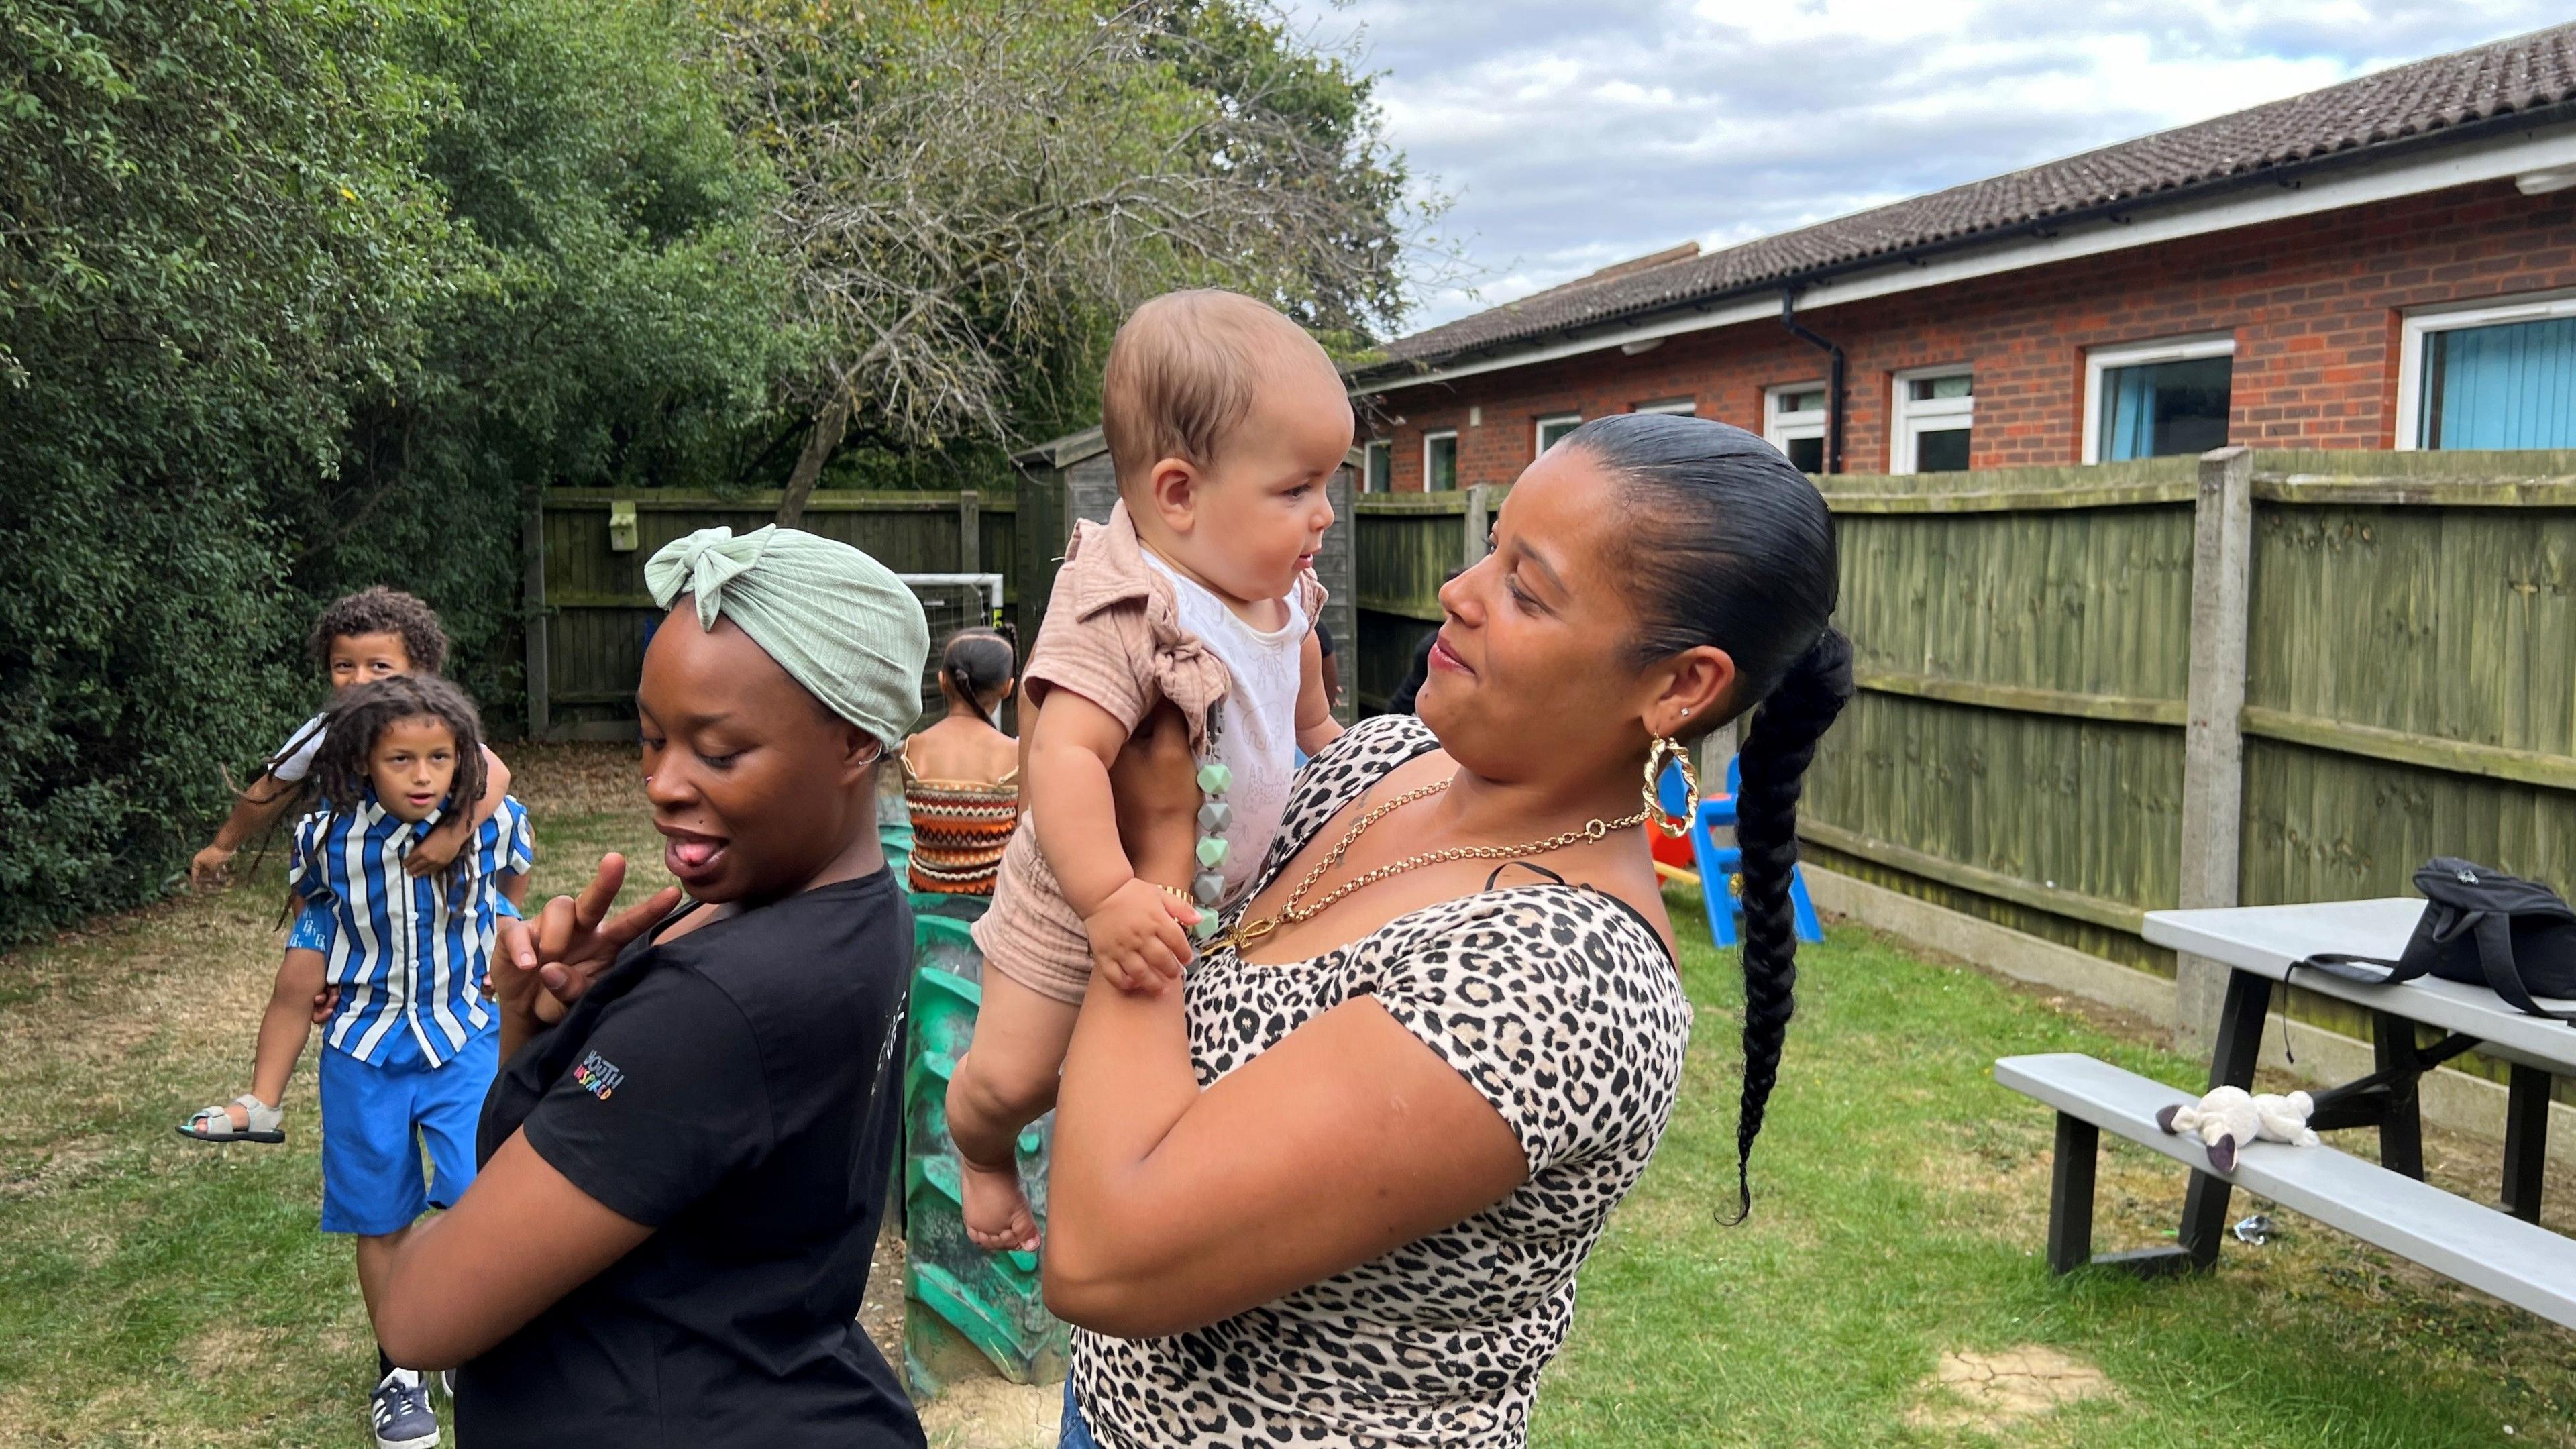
column 1224, row 421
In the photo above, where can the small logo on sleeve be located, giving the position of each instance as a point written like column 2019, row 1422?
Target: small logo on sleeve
column 597, row 1075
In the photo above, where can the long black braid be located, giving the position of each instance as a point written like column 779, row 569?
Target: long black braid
column 1733, row 547
column 1777, row 749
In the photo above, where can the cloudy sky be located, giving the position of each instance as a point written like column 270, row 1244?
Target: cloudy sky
column 1574, row 135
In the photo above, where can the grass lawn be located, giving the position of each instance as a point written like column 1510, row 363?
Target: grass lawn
column 160, row 1292
column 1900, row 1212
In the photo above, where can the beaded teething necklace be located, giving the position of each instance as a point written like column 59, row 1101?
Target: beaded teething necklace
column 1294, row 911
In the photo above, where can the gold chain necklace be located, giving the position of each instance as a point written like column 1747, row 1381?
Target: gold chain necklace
column 1293, row 913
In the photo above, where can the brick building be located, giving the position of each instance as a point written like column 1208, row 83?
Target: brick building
column 2386, row 263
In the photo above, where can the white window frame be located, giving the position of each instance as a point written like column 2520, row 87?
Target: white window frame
column 1907, row 417
column 1377, row 448
column 2099, row 360
column 1780, row 429
column 1544, row 421
column 1433, row 435
column 2420, row 325
column 1684, row 407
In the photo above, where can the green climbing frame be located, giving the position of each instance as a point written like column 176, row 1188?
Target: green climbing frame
column 964, row 1301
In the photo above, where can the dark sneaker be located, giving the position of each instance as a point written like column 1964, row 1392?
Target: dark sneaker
column 401, row 1413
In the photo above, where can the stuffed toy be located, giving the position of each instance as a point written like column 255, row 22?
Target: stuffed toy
column 2230, row 1117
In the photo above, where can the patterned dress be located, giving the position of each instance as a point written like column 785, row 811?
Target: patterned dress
column 958, row 830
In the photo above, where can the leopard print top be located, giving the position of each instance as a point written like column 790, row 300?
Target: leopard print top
column 1560, row 1006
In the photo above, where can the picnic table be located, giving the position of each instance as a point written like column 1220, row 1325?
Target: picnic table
column 2388, row 1204
column 2263, row 944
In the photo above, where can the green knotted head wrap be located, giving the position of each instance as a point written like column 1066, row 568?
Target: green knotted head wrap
column 840, row 623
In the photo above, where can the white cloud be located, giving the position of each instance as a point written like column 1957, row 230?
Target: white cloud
column 1574, row 136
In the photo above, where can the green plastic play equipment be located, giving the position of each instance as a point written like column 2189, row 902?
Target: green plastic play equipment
column 964, row 1302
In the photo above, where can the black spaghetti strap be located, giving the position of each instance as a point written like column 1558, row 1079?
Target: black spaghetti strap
column 1525, row 865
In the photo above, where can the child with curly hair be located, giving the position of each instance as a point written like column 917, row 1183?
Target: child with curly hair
column 410, row 1046
column 372, row 634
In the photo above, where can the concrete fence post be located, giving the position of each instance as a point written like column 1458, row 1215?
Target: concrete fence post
column 970, row 531
column 2213, row 768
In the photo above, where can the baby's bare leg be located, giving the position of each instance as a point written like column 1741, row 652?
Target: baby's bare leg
column 285, row 1025
column 1007, row 1080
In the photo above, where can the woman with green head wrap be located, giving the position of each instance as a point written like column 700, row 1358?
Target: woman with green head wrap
column 684, row 1175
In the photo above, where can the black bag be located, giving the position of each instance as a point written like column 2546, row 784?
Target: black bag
column 2480, row 927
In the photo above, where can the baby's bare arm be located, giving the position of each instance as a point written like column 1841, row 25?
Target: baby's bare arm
column 1132, row 924
column 1316, row 726
column 1070, row 750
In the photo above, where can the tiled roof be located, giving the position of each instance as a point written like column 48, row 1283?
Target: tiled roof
column 2507, row 77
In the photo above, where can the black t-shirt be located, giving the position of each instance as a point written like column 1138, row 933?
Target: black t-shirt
column 735, row 1090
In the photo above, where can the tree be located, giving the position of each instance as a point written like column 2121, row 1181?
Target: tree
column 307, row 294
column 974, row 190
column 208, row 243
column 609, row 318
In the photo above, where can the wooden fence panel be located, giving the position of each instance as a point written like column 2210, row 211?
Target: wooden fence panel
column 2021, row 642
column 2455, row 624
column 1406, row 545
column 2410, row 670
column 597, row 612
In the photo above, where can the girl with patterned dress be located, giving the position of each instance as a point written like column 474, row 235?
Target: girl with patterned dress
column 961, row 776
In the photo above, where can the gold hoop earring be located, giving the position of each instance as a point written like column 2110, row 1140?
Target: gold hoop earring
column 1669, row 749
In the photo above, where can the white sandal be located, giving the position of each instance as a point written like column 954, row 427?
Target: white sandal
column 215, row 1124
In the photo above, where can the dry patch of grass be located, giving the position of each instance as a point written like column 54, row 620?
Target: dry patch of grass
column 994, row 1413
column 1992, row 1392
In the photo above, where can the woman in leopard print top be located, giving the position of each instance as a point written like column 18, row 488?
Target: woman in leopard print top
column 1336, row 1188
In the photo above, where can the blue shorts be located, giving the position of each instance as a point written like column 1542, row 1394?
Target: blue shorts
column 314, row 930
column 371, row 1171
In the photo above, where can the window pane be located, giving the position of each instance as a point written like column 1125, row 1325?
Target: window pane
column 2512, row 386
column 1808, row 454
column 1942, row 452
column 2164, row 408
column 1443, row 463
column 1381, row 467
column 1803, row 402
column 1549, row 434
column 1925, row 389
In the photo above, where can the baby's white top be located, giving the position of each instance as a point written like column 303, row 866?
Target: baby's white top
column 1259, row 740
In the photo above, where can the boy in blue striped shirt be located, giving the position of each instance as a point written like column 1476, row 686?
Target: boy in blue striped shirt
column 409, row 1043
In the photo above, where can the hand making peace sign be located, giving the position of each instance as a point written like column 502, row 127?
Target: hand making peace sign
column 566, row 948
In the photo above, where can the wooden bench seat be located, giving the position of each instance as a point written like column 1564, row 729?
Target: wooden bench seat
column 2519, row 1262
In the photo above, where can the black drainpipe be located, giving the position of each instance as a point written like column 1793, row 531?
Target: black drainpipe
column 1833, row 382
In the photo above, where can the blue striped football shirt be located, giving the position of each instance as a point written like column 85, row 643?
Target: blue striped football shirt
column 409, row 956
